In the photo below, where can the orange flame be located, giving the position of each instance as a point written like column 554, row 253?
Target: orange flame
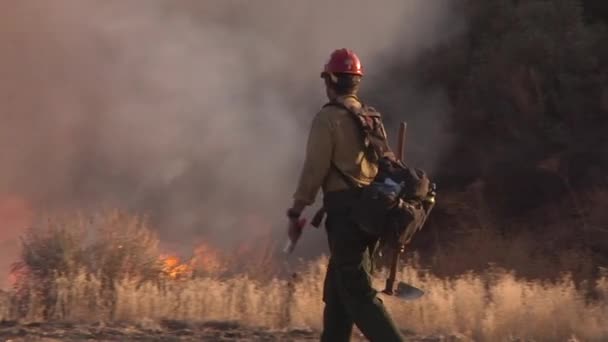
column 173, row 268
column 16, row 215
column 206, row 260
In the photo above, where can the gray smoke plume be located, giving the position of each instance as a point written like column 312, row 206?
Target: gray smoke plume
column 194, row 112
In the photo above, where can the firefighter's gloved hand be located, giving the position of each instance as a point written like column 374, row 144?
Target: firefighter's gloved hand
column 295, row 225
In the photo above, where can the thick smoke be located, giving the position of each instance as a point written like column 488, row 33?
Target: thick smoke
column 194, row 112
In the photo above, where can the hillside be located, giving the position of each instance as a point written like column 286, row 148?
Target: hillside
column 524, row 90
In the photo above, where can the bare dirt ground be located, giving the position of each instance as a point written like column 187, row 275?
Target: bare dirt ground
column 165, row 331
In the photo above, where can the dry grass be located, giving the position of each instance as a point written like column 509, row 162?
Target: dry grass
column 101, row 270
column 494, row 307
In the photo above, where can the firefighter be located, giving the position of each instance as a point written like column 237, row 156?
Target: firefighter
column 336, row 156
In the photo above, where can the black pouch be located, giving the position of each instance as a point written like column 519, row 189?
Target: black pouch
column 382, row 212
column 371, row 210
column 404, row 221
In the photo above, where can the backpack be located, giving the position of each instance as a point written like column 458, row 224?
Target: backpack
column 392, row 206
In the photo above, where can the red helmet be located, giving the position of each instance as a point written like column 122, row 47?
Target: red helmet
column 343, row 61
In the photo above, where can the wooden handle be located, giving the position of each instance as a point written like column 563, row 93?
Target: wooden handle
column 401, row 141
column 390, row 281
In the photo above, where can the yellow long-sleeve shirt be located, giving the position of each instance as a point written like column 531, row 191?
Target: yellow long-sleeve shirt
column 334, row 136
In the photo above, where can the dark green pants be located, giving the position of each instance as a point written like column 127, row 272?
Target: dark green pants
column 348, row 294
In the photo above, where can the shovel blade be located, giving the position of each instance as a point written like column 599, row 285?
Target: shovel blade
column 407, row 291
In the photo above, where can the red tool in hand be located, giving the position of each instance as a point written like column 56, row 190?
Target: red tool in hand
column 293, row 239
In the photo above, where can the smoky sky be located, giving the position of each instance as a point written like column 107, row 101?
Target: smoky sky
column 192, row 112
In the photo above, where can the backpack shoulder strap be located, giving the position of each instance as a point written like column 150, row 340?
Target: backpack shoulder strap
column 369, row 121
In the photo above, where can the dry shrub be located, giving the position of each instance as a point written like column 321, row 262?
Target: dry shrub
column 75, row 264
column 110, row 247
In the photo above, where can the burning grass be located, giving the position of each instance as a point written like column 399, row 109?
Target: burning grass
column 110, row 269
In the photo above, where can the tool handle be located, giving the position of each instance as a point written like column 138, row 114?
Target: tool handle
column 401, row 141
column 390, row 281
column 291, row 244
